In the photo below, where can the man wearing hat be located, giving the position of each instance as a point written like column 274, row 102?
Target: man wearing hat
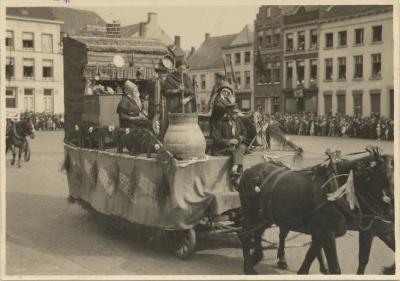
column 133, row 116
column 229, row 135
column 178, row 90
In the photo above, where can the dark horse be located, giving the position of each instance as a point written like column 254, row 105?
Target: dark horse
column 16, row 137
column 297, row 200
column 376, row 209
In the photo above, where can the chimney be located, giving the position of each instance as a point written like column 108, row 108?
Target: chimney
column 207, row 35
column 177, row 41
column 152, row 17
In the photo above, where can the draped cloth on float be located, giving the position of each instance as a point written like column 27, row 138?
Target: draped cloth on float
column 150, row 191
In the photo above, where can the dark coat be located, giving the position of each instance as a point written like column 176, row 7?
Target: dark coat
column 173, row 101
column 222, row 133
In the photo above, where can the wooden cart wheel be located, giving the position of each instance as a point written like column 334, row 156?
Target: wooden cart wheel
column 182, row 242
column 27, row 152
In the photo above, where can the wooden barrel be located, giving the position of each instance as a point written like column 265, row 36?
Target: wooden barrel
column 184, row 138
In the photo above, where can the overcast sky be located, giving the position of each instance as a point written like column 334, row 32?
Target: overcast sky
column 191, row 23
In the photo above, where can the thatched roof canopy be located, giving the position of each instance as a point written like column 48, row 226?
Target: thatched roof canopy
column 123, row 45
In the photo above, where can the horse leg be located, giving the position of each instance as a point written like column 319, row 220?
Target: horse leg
column 19, row 156
column 14, row 154
column 323, row 268
column 389, row 239
column 365, row 243
column 329, row 245
column 311, row 254
column 245, row 238
column 257, row 255
column 283, row 233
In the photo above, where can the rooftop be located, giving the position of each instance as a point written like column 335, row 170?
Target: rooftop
column 74, row 19
column 209, row 54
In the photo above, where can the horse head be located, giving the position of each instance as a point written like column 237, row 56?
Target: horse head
column 376, row 184
column 28, row 128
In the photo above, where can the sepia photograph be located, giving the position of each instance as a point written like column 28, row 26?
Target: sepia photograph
column 199, row 140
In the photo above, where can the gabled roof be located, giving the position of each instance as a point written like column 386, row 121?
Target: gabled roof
column 244, row 37
column 177, row 50
column 209, row 55
column 74, row 19
column 130, row 30
column 348, row 10
column 288, row 9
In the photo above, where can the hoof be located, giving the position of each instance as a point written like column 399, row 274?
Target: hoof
column 323, row 270
column 389, row 270
column 256, row 258
column 282, row 264
column 12, row 163
column 250, row 271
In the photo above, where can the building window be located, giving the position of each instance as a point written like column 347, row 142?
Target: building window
column 29, row 68
column 289, row 74
column 47, row 69
column 277, row 37
column 268, row 73
column 10, row 39
column 268, row 38
column 48, row 100
column 358, row 66
column 342, row 68
column 247, row 57
column 268, row 12
column 376, row 65
column 313, row 71
column 260, row 77
column 228, row 58
column 341, row 102
column 313, row 39
column 377, row 33
column 328, row 69
column 238, row 78
column 276, row 72
column 301, row 40
column 229, row 77
column 29, row 100
column 47, row 43
column 342, row 38
column 289, row 42
column 11, row 98
column 245, row 104
column 203, row 81
column 10, row 68
column 260, row 38
column 357, row 102
column 237, row 58
column 27, row 41
column 328, row 103
column 328, row 40
column 300, row 72
column 375, row 102
column 359, row 36
column 247, row 80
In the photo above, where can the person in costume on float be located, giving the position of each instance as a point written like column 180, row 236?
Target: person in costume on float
column 133, row 117
column 229, row 136
column 178, row 90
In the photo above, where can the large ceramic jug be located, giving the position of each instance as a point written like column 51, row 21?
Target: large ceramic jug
column 184, row 138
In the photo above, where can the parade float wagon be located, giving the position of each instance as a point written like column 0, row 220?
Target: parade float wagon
column 172, row 195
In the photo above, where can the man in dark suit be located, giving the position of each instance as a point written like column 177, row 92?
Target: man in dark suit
column 229, row 135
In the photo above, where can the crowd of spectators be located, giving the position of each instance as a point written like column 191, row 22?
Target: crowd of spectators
column 45, row 121
column 310, row 124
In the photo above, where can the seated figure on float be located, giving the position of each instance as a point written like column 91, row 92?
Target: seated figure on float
column 133, row 119
column 229, row 136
